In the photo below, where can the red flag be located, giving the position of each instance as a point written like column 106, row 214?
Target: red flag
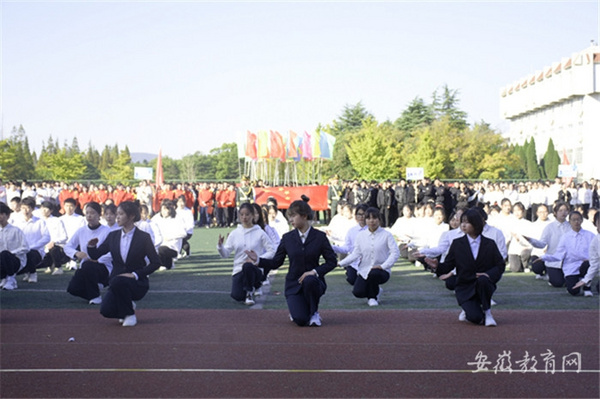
column 277, row 146
column 251, row 145
column 159, row 170
column 565, row 160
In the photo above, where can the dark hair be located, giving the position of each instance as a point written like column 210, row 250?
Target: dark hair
column 28, row 201
column 5, row 209
column 473, row 216
column 70, row 201
column 520, row 206
column 361, row 207
column 372, row 212
column 48, row 205
column 95, row 206
column 575, row 213
column 131, row 209
column 557, row 206
column 301, row 208
column 170, row 206
column 596, row 217
column 256, row 208
column 543, row 206
column 111, row 208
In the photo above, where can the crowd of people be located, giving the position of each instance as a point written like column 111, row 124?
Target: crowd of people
column 547, row 229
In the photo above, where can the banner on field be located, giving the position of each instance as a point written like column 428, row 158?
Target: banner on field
column 415, row 173
column 286, row 195
column 142, row 173
column 567, row 170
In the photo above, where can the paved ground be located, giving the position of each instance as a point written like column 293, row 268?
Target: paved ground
column 259, row 353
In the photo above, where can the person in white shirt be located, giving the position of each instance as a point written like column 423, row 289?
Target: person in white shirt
column 350, row 241
column 550, row 238
column 187, row 219
column 173, row 232
column 72, row 222
column 573, row 251
column 281, row 227
column 147, row 225
column 246, row 277
column 13, row 250
column 54, row 257
column 519, row 249
column 37, row 236
column 92, row 276
column 594, row 254
column 109, row 217
column 377, row 251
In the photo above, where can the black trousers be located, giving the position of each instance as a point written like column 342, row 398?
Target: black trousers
column 84, row 282
column 570, row 281
column 476, row 306
column 369, row 288
column 306, row 302
column 185, row 245
column 166, row 256
column 247, row 280
column 33, row 260
column 55, row 257
column 9, row 264
column 351, row 274
column 117, row 302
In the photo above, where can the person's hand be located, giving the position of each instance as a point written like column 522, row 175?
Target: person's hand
column 377, row 267
column 432, row 263
column 537, row 260
column 128, row 275
column 446, row 276
column 93, row 242
column 221, row 240
column 50, row 245
column 482, row 274
column 252, row 256
column 580, row 283
column 306, row 274
column 81, row 255
column 418, row 254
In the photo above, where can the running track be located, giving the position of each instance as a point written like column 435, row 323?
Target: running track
column 260, row 353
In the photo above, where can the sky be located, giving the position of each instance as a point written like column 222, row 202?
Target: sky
column 189, row 76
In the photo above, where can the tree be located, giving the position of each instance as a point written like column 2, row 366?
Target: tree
column 226, row 161
column 533, row 169
column 64, row 166
column 551, row 161
column 372, row 152
column 447, row 106
column 121, row 170
column 417, row 114
column 16, row 161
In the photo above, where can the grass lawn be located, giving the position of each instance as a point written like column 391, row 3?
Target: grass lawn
column 203, row 281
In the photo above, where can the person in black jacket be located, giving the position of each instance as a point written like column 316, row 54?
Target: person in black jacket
column 305, row 281
column 129, row 248
column 479, row 267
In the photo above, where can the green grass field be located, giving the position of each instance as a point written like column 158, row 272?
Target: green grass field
column 203, row 281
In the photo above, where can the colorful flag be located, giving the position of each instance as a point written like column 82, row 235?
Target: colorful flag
column 327, row 143
column 277, row 146
column 251, row 145
column 292, row 146
column 263, row 144
column 159, row 170
column 316, row 145
column 306, row 146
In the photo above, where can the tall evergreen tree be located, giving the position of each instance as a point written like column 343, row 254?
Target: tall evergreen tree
column 533, row 170
column 551, row 161
column 417, row 114
column 447, row 105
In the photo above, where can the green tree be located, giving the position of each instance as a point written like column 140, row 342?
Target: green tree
column 447, row 106
column 372, row 152
column 417, row 114
column 64, row 166
column 121, row 169
column 533, row 169
column 551, row 161
column 226, row 161
column 16, row 161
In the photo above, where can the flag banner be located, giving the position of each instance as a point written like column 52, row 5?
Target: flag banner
column 316, row 145
column 286, row 195
column 263, row 144
column 293, row 142
column 327, row 143
column 306, row 146
column 277, row 145
column 251, row 147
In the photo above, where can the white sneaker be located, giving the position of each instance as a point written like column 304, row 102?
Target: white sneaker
column 462, row 316
column 48, row 270
column 540, row 277
column 162, row 269
column 129, row 321
column 489, row 320
column 379, row 295
column 10, row 283
column 258, row 292
column 2, row 282
column 587, row 293
column 96, row 301
column 58, row 271
column 249, row 301
column 72, row 265
column 315, row 320
column 266, row 282
column 492, row 302
column 372, row 302
column 25, row 277
column 32, row 278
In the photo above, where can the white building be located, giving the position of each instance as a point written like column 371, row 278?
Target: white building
column 562, row 102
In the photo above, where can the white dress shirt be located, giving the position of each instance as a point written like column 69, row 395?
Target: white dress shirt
column 79, row 242
column 349, row 244
column 12, row 239
column 573, row 250
column 551, row 236
column 474, row 243
column 377, row 248
column 594, row 254
column 36, row 233
column 246, row 239
column 58, row 234
column 72, row 223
